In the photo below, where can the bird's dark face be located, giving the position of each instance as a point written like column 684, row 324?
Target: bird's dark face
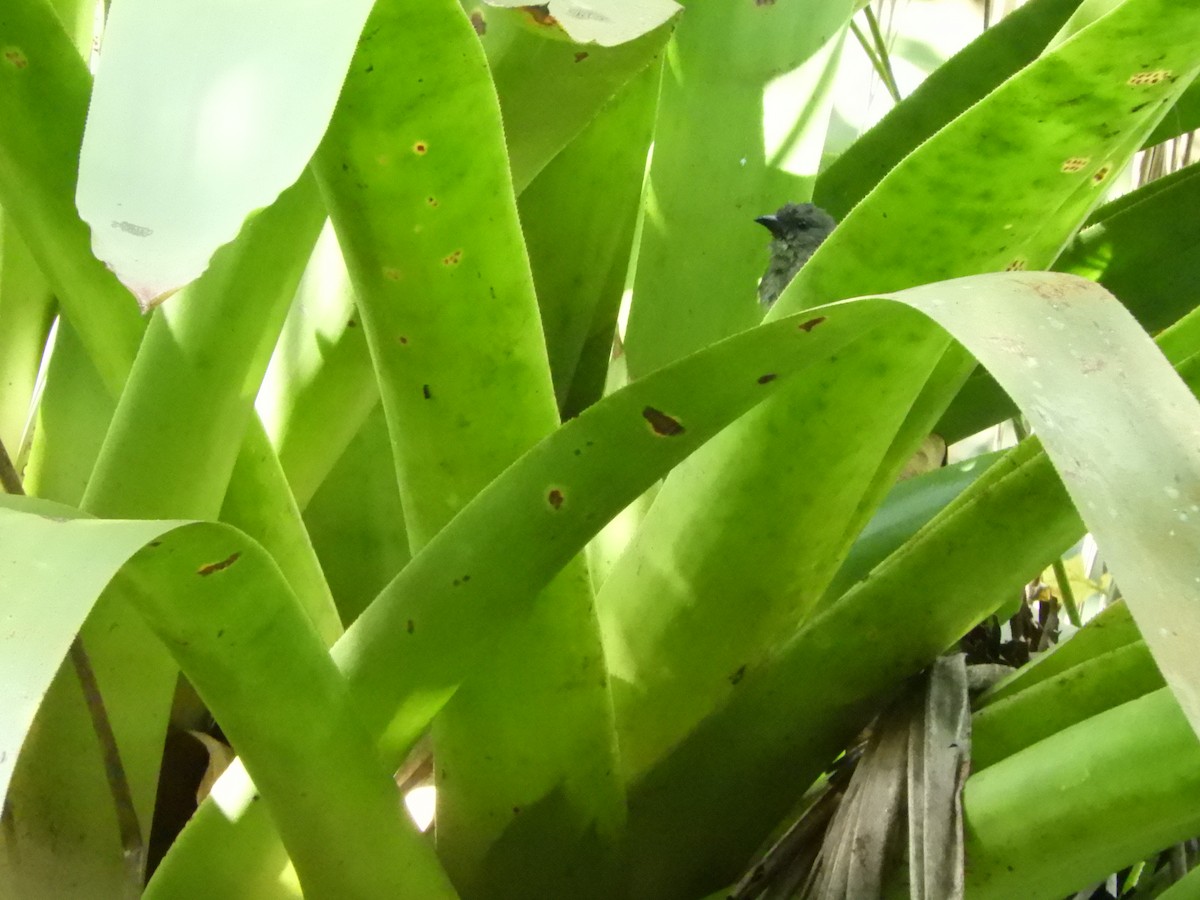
column 797, row 230
column 797, row 218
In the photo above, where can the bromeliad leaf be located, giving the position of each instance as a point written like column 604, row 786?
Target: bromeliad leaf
column 197, row 120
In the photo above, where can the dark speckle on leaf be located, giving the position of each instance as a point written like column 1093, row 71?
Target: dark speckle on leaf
column 768, row 378
column 555, row 498
column 425, row 392
column 228, row 561
column 811, row 323
column 662, row 423
column 738, row 675
column 411, row 627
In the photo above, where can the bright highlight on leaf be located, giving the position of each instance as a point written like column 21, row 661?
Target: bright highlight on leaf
column 198, row 118
column 605, row 22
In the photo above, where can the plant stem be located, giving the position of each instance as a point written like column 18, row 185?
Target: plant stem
column 1068, row 596
column 870, row 51
column 9, row 478
column 889, row 78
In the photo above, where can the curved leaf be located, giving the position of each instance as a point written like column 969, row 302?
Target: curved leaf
column 235, row 628
column 197, row 120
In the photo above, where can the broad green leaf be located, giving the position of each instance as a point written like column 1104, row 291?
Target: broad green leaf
column 746, row 517
column 550, row 89
column 454, row 619
column 1015, row 41
column 37, row 184
column 1144, row 248
column 818, row 693
column 578, row 219
column 555, row 497
column 26, row 310
column 607, row 22
column 756, row 80
column 356, row 521
column 906, row 509
column 222, row 607
column 40, row 71
column 195, row 121
column 1123, row 785
column 793, row 715
column 319, row 387
column 45, row 607
column 1047, row 707
column 447, row 301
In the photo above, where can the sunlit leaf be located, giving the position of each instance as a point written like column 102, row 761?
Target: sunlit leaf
column 199, row 118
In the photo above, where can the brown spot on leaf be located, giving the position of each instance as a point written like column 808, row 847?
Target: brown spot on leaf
column 1101, row 174
column 479, row 23
column 420, row 148
column 768, row 378
column 402, row 339
column 228, row 561
column 555, row 498
column 811, row 323
column 581, row 56
column 453, row 259
column 351, row 324
column 1017, row 265
column 540, row 14
column 15, row 58
column 391, row 274
column 1074, row 164
column 1153, row 77
column 432, row 201
column 662, row 423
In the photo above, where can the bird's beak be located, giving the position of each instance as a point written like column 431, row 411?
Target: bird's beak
column 771, row 223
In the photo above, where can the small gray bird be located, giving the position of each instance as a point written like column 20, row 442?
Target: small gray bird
column 798, row 229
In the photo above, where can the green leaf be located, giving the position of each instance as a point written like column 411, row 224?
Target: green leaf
column 967, row 77
column 579, row 248
column 906, row 509
column 551, row 89
column 1047, row 707
column 447, row 300
column 735, row 71
column 196, row 121
column 1144, row 248
column 41, row 70
column 1122, row 785
column 226, row 614
column 747, row 517
column 26, row 311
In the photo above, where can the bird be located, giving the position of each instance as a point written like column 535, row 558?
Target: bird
column 797, row 231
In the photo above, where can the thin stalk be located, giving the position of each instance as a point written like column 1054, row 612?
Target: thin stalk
column 9, row 478
column 870, row 51
column 886, row 74
column 1064, row 591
